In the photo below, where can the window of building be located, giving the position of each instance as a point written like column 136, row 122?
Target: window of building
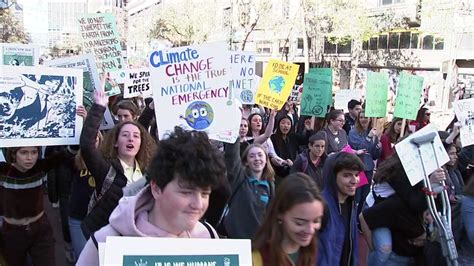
column 439, row 43
column 264, row 47
column 300, row 44
column 344, row 48
column 365, row 45
column 405, row 40
column 383, row 42
column 414, row 41
column 284, row 50
column 329, row 48
column 428, row 42
column 373, row 43
column 391, row 2
column 393, row 38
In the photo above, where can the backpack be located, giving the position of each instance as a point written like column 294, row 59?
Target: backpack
column 304, row 162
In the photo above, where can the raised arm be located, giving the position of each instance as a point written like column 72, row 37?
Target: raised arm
column 268, row 130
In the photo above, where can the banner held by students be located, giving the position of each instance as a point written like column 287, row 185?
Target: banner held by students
column 90, row 81
column 100, row 37
column 39, row 106
column 18, row 54
column 408, row 97
column 433, row 156
column 137, row 83
column 243, row 83
column 317, row 92
column 276, row 84
column 176, row 251
column 464, row 110
column 342, row 97
column 191, row 89
column 376, row 95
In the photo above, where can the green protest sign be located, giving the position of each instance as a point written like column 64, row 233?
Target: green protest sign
column 317, row 92
column 376, row 94
column 408, row 98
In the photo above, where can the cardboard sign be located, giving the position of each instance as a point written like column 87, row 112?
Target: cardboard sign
column 433, row 156
column 100, row 37
column 39, row 106
column 17, row 54
column 276, row 84
column 137, row 83
column 376, row 96
column 342, row 97
column 176, row 251
column 464, row 110
column 191, row 89
column 243, row 83
column 317, row 92
column 408, row 98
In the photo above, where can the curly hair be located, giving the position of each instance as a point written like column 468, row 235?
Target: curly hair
column 190, row 156
column 147, row 146
column 297, row 188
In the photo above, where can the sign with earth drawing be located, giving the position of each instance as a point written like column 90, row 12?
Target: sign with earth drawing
column 276, row 84
column 243, row 83
column 317, row 92
column 191, row 90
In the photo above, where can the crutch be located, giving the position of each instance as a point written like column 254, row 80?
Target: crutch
column 443, row 217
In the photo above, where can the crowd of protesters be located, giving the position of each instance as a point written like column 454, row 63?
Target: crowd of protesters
column 291, row 184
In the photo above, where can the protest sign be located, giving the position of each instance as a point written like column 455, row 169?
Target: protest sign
column 464, row 110
column 90, row 81
column 17, row 54
column 137, row 83
column 191, row 89
column 90, row 77
column 317, row 92
column 243, row 84
column 433, row 156
column 408, row 97
column 342, row 97
column 39, row 106
column 376, row 95
column 295, row 93
column 276, row 84
column 100, row 37
column 177, row 251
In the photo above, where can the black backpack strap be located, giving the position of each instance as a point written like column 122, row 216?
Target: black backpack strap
column 209, row 228
column 96, row 244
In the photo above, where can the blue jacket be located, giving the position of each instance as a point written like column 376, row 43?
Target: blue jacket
column 331, row 236
column 360, row 141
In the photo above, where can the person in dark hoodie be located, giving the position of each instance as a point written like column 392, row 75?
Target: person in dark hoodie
column 286, row 143
column 338, row 243
column 311, row 160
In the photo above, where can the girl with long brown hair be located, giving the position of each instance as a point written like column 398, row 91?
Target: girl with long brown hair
column 288, row 235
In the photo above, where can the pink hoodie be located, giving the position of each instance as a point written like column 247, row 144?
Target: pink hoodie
column 130, row 218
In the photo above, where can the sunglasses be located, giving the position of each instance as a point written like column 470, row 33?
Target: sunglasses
column 428, row 114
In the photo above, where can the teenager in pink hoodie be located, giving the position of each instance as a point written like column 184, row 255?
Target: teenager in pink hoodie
column 181, row 176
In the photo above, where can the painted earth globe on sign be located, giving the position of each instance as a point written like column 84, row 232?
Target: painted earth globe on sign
column 199, row 115
column 276, row 84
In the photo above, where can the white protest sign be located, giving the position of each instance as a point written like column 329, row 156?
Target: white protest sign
column 39, row 106
column 296, row 93
column 177, row 251
column 433, row 156
column 342, row 97
column 191, row 89
column 243, row 83
column 464, row 110
column 137, row 83
column 18, row 54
